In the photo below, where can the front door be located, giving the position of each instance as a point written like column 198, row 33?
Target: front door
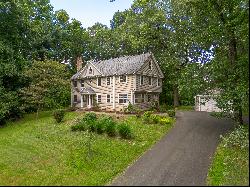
column 89, row 101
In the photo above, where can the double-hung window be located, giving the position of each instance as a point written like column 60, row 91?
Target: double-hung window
column 123, row 98
column 139, row 98
column 108, row 98
column 108, row 80
column 99, row 81
column 123, row 78
column 99, row 98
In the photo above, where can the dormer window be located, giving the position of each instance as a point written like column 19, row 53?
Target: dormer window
column 90, row 70
column 150, row 65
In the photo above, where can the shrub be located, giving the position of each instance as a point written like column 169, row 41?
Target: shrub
column 171, row 113
column 146, row 116
column 102, row 123
column 125, row 131
column 237, row 138
column 90, row 116
column 79, row 127
column 59, row 115
column 111, row 128
column 165, row 120
column 154, row 118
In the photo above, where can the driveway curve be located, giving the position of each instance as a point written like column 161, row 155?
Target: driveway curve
column 182, row 157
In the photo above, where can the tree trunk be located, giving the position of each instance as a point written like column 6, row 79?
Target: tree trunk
column 176, row 96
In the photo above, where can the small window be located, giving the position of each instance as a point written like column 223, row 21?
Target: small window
column 75, row 98
column 99, row 81
column 99, row 98
column 141, row 80
column 150, row 65
column 149, row 80
column 90, row 81
column 82, row 83
column 123, row 78
column 139, row 98
column 90, row 70
column 108, row 80
column 75, row 83
column 158, row 82
column 123, row 98
column 149, row 98
column 108, row 98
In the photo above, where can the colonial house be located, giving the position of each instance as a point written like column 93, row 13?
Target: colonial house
column 112, row 84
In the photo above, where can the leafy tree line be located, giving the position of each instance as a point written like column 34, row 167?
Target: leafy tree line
column 179, row 33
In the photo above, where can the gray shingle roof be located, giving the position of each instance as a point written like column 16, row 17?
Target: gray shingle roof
column 88, row 90
column 118, row 66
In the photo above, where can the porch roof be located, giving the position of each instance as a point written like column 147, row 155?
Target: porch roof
column 87, row 91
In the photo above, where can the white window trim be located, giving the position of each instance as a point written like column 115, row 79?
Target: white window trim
column 107, row 81
column 97, row 98
column 107, row 98
column 119, row 97
column 120, row 78
column 98, row 81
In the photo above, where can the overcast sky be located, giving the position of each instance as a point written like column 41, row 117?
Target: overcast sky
column 91, row 11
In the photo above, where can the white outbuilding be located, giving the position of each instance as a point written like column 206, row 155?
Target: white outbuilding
column 205, row 102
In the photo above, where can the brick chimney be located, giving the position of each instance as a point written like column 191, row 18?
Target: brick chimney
column 79, row 63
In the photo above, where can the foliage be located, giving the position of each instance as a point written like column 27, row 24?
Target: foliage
column 130, row 109
column 165, row 120
column 111, row 128
column 46, row 139
column 125, row 131
column 102, row 123
column 230, row 165
column 79, row 127
column 48, row 88
column 59, row 115
column 238, row 138
column 171, row 113
column 154, row 118
column 146, row 116
column 90, row 117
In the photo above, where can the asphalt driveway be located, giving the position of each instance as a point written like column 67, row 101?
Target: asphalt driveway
column 182, row 157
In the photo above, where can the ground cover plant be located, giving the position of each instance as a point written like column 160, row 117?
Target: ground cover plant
column 230, row 164
column 41, row 152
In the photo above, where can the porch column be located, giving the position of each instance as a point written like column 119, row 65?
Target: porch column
column 81, row 101
column 89, row 101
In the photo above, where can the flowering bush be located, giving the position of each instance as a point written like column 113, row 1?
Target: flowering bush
column 238, row 138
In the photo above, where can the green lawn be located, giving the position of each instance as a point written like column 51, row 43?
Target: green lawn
column 41, row 152
column 185, row 108
column 230, row 166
